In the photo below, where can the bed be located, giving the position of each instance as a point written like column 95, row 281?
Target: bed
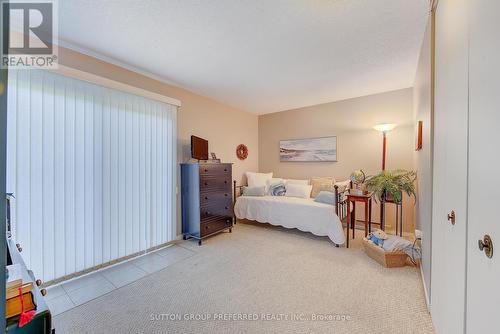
column 303, row 214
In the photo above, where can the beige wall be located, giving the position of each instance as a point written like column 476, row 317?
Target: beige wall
column 423, row 111
column 223, row 126
column 359, row 146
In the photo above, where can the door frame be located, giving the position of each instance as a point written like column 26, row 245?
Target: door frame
column 3, row 166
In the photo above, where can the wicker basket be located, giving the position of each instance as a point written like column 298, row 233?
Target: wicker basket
column 387, row 259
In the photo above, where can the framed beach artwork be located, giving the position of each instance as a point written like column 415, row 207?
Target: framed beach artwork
column 310, row 149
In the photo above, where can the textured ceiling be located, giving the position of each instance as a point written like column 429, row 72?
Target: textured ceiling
column 257, row 55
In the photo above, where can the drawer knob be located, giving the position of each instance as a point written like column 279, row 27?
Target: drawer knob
column 206, row 170
column 43, row 292
column 207, row 212
column 225, row 182
column 206, row 197
column 206, row 183
column 227, row 208
column 225, row 169
column 225, row 195
column 38, row 282
column 206, row 227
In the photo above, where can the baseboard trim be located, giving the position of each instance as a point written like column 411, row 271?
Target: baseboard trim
column 111, row 263
column 427, row 301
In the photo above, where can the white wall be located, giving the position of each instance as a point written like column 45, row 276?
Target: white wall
column 422, row 107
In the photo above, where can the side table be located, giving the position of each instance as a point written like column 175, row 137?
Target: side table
column 399, row 215
column 351, row 217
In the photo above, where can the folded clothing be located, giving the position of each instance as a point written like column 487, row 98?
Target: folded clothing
column 394, row 243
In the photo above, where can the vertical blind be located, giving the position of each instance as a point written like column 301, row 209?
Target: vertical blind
column 92, row 170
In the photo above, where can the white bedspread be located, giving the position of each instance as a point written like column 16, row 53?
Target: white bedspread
column 303, row 214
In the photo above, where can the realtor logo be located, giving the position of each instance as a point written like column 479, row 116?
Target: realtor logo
column 29, row 40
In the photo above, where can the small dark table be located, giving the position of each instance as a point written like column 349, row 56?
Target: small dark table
column 399, row 215
column 364, row 198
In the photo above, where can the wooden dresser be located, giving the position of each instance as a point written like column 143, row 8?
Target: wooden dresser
column 207, row 202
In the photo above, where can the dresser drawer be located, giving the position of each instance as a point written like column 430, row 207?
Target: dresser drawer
column 216, row 225
column 215, row 210
column 211, row 183
column 215, row 169
column 219, row 196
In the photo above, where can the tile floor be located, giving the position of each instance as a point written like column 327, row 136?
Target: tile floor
column 67, row 295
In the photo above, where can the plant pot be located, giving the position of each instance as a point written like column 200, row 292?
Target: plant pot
column 390, row 197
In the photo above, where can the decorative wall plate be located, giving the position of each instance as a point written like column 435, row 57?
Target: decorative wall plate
column 242, row 151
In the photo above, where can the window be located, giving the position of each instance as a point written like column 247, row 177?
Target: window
column 92, row 169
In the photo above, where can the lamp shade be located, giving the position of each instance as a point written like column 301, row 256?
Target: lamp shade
column 384, row 127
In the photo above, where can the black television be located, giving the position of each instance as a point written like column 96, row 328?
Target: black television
column 199, row 148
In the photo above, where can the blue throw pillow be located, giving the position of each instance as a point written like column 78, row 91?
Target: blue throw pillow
column 254, row 191
column 326, row 197
column 277, row 189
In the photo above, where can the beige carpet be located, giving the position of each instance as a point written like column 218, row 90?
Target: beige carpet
column 262, row 272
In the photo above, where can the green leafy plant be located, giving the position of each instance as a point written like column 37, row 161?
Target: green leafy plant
column 390, row 185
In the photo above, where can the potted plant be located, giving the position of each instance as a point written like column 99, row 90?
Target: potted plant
column 390, row 185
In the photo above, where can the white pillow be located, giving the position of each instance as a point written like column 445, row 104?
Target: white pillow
column 298, row 190
column 258, row 179
column 292, row 181
column 273, row 181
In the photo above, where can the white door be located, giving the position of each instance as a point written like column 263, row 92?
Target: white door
column 483, row 273
column 450, row 168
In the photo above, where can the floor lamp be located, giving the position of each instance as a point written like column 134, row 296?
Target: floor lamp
column 384, row 128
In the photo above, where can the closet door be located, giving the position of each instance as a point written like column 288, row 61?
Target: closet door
column 483, row 273
column 450, row 168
